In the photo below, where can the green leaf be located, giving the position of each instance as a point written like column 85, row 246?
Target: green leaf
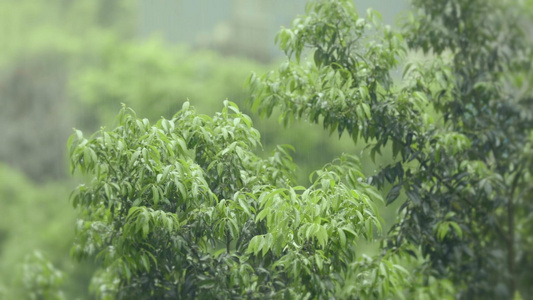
column 145, row 263
column 457, row 229
column 244, row 206
column 442, row 230
column 342, row 237
column 261, row 215
column 155, row 195
column 127, row 271
column 393, row 193
column 322, row 236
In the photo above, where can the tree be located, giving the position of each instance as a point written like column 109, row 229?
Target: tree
column 463, row 167
column 184, row 208
column 37, row 62
column 40, row 280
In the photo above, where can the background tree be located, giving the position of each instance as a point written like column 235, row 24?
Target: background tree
column 39, row 279
column 464, row 171
column 489, row 51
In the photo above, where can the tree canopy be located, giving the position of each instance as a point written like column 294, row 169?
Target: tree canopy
column 458, row 123
column 186, row 208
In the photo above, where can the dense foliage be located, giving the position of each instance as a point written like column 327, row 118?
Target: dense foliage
column 186, row 208
column 464, row 173
column 40, row 279
column 69, row 64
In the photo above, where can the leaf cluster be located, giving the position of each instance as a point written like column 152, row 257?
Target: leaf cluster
column 184, row 208
column 462, row 173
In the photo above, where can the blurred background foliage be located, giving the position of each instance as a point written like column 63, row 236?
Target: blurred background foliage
column 71, row 63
